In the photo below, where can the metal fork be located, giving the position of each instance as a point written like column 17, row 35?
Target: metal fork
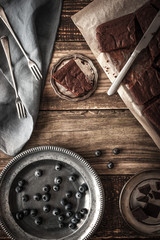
column 32, row 65
column 19, row 105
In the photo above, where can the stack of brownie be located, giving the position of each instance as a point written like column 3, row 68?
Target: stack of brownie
column 119, row 37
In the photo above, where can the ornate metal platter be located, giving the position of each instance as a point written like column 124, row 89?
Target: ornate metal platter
column 50, row 193
column 140, row 202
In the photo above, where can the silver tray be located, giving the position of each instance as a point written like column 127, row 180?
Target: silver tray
column 45, row 158
column 128, row 201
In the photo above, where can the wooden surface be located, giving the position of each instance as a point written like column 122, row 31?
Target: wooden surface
column 100, row 122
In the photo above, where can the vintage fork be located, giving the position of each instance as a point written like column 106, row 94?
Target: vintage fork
column 32, row 65
column 19, row 105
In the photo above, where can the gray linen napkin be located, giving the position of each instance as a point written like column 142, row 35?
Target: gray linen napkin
column 35, row 23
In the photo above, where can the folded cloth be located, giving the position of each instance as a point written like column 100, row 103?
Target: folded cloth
column 35, row 23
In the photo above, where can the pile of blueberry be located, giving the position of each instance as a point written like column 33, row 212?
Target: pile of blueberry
column 65, row 214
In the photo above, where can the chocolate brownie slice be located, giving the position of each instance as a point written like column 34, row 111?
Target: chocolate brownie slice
column 139, row 214
column 145, row 189
column 152, row 112
column 155, row 3
column 152, row 210
column 156, row 194
column 73, row 79
column 154, row 45
column 117, row 34
column 146, row 87
column 142, row 199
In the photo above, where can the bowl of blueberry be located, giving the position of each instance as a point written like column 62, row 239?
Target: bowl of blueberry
column 50, row 192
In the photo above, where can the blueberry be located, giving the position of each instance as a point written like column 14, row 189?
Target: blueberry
column 46, row 197
column 72, row 225
column 116, row 151
column 37, row 197
column 69, row 214
column 83, row 188
column 46, row 188
column 110, row 165
column 56, row 211
column 21, row 183
column 33, row 212
column 64, row 202
column 46, row 208
column 38, row 173
column 58, row 167
column 72, row 178
column 56, row 188
column 74, row 220
column 25, row 198
column 69, row 194
column 26, row 212
column 58, row 180
column 68, row 206
column 19, row 215
column 83, row 211
column 98, row 153
column 79, row 195
column 78, row 215
column 18, row 189
column 61, row 218
column 38, row 221
column 61, row 225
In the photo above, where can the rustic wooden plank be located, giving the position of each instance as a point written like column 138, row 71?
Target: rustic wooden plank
column 67, row 30
column 86, row 131
column 112, row 225
column 99, row 100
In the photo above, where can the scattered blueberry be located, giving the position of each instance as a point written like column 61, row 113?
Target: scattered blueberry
column 74, row 220
column 38, row 173
column 58, row 167
column 116, row 151
column 64, row 202
column 46, row 197
column 72, row 178
column 69, row 194
column 78, row 215
column 21, row 183
column 26, row 212
column 79, row 195
column 46, row 208
column 19, row 215
column 56, row 211
column 58, row 180
column 69, row 214
column 98, row 153
column 83, row 188
column 46, row 188
column 37, row 197
column 25, row 198
column 110, row 165
column 68, row 206
column 72, row 225
column 83, row 211
column 56, row 188
column 18, row 189
column 38, row 221
column 61, row 225
column 61, row 218
column 33, row 212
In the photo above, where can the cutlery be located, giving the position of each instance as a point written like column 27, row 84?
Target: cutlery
column 141, row 45
column 32, row 65
column 19, row 105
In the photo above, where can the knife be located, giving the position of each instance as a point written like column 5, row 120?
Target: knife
column 143, row 43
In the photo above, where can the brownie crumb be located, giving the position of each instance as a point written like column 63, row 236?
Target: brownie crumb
column 139, row 214
column 145, row 189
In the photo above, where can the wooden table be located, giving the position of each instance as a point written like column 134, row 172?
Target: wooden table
column 100, row 122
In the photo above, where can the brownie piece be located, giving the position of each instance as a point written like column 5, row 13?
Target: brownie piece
column 154, row 45
column 145, row 189
column 117, row 34
column 152, row 112
column 156, row 194
column 152, row 210
column 146, row 87
column 73, row 79
column 155, row 3
column 158, row 185
column 145, row 16
column 142, row 199
column 139, row 214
